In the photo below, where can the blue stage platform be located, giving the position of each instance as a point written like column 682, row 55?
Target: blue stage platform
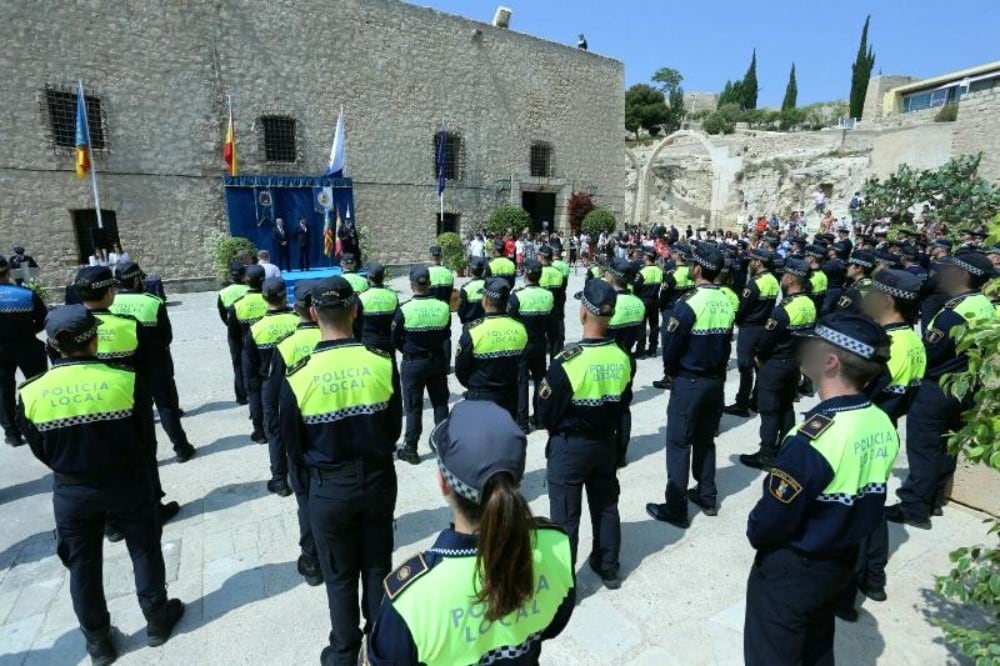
column 291, row 277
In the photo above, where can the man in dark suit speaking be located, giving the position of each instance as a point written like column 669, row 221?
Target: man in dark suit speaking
column 303, row 235
column 282, row 249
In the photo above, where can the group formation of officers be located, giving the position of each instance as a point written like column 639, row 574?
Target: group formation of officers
column 330, row 383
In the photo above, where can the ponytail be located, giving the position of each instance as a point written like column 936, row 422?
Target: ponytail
column 504, row 561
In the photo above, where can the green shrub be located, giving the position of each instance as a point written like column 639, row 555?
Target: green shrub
column 224, row 249
column 598, row 220
column 716, row 123
column 947, row 114
column 508, row 218
column 452, row 251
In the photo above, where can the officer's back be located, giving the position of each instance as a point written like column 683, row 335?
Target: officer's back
column 442, row 279
column 120, row 336
column 233, row 291
column 248, row 308
column 626, row 325
column 500, row 266
column 379, row 304
column 131, row 300
column 532, row 305
column 470, row 296
column 423, row 323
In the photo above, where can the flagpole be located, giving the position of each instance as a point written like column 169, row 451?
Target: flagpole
column 93, row 165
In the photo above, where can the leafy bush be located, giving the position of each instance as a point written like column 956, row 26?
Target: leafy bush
column 577, row 208
column 716, row 123
column 947, row 114
column 597, row 221
column 508, row 218
column 452, row 251
column 37, row 287
column 224, row 249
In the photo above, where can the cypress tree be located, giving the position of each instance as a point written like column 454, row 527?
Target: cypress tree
column 749, row 88
column 861, row 72
column 791, row 92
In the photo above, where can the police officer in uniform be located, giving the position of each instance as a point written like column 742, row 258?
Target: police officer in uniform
column 676, row 284
column 625, row 328
column 580, row 406
column 98, row 451
column 818, row 281
column 379, row 304
column 22, row 316
column 419, row 330
column 156, row 334
column 777, row 365
column 555, row 281
column 825, row 492
column 289, row 351
column 490, row 349
column 341, row 415
column 243, row 313
column 349, row 266
column 756, row 305
column 560, row 309
column 470, row 296
column 227, row 297
column 532, row 305
column 500, row 266
column 652, row 277
column 258, row 353
column 695, row 354
column 488, row 589
column 934, row 296
column 934, row 411
column 859, row 272
column 442, row 283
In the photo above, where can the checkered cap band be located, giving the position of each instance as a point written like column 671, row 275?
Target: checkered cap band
column 131, row 275
column 796, row 273
column 845, row 342
column 895, row 292
column 86, row 335
column 455, row 483
column 967, row 267
column 100, row 284
column 858, row 261
column 489, row 293
column 591, row 308
column 702, row 261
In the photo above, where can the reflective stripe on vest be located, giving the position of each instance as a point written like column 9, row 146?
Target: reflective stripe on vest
column 767, row 285
column 502, row 267
column 232, row 293
column 273, row 327
column 474, row 290
column 818, row 281
column 562, row 267
column 359, row 283
column 440, row 276
column 599, row 374
column 117, row 337
column 144, row 307
column 629, row 311
column 907, row 359
column 860, row 447
column 652, row 274
column 77, row 394
column 551, row 278
column 340, row 382
column 425, row 314
column 250, row 308
column 497, row 337
column 448, row 627
column 298, row 344
column 379, row 300
column 16, row 300
column 713, row 312
column 534, row 300
column 801, row 312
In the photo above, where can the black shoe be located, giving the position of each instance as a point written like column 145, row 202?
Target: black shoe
column 15, row 439
column 664, row 383
column 101, row 646
column 873, row 593
column 258, row 437
column 113, row 534
column 895, row 514
column 847, row 614
column 406, row 454
column 242, row 402
column 168, row 511
column 160, row 623
column 660, row 512
column 611, row 580
column 756, row 460
column 279, row 487
column 736, row 410
column 310, row 571
column 185, row 453
column 707, row 509
column 181, row 413
column 652, row 353
column 937, row 511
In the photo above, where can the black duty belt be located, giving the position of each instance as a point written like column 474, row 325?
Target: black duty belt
column 99, row 478
column 347, row 470
column 411, row 356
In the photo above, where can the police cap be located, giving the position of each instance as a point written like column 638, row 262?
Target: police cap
column 237, row 269
column 477, row 265
column 760, row 254
column 94, row 278
column 854, row 333
column 649, row 252
column 598, row 297
column 303, row 292
column 708, row 256
column 972, row 262
column 863, row 258
column 545, row 250
column 817, row 251
column 796, row 267
column 532, row 268
column 254, row 275
column 273, row 288
column 898, row 284
column 419, row 275
column 127, row 271
column 478, row 441
column 71, row 326
column 435, row 250
column 682, row 250
column 620, row 268
column 497, row 290
column 332, row 292
column 499, row 245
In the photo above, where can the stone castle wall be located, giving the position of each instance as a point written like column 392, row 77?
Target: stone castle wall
column 163, row 72
column 977, row 129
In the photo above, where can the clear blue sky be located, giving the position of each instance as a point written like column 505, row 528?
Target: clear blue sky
column 711, row 41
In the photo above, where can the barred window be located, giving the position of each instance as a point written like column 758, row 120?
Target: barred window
column 279, row 138
column 452, row 155
column 541, row 159
column 62, row 118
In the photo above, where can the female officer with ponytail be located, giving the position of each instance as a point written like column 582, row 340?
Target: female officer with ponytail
column 495, row 584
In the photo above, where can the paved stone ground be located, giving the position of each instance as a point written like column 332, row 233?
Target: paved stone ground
column 231, row 552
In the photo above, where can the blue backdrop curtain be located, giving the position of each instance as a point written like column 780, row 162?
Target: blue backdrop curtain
column 252, row 215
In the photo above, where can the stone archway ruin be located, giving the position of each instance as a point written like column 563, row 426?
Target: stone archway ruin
column 638, row 186
column 724, row 169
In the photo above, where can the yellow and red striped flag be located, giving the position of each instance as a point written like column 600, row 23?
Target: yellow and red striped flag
column 229, row 148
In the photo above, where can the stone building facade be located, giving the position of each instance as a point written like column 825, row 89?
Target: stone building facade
column 163, row 71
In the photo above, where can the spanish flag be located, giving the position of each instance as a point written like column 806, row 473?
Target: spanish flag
column 229, row 148
column 82, row 134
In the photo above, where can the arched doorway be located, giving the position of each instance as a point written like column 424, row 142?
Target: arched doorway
column 720, row 189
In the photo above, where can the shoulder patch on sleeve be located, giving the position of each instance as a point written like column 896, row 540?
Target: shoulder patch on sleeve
column 782, row 486
column 934, row 335
column 844, row 302
column 544, row 390
column 816, row 426
column 400, row 579
column 295, row 367
column 570, row 353
column 672, row 325
column 477, row 322
column 747, row 292
column 378, row 352
column 543, row 523
column 771, row 324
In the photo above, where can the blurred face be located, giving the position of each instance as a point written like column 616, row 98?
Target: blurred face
column 854, row 271
column 953, row 280
column 995, row 259
column 876, row 303
column 817, row 360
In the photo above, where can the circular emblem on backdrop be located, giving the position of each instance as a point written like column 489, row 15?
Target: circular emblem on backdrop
column 264, row 198
column 325, row 200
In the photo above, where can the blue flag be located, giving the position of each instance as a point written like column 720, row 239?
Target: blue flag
column 442, row 141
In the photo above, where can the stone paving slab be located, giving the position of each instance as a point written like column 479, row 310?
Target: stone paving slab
column 231, row 551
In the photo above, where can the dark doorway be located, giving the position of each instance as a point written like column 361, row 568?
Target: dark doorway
column 448, row 223
column 541, row 206
column 89, row 237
